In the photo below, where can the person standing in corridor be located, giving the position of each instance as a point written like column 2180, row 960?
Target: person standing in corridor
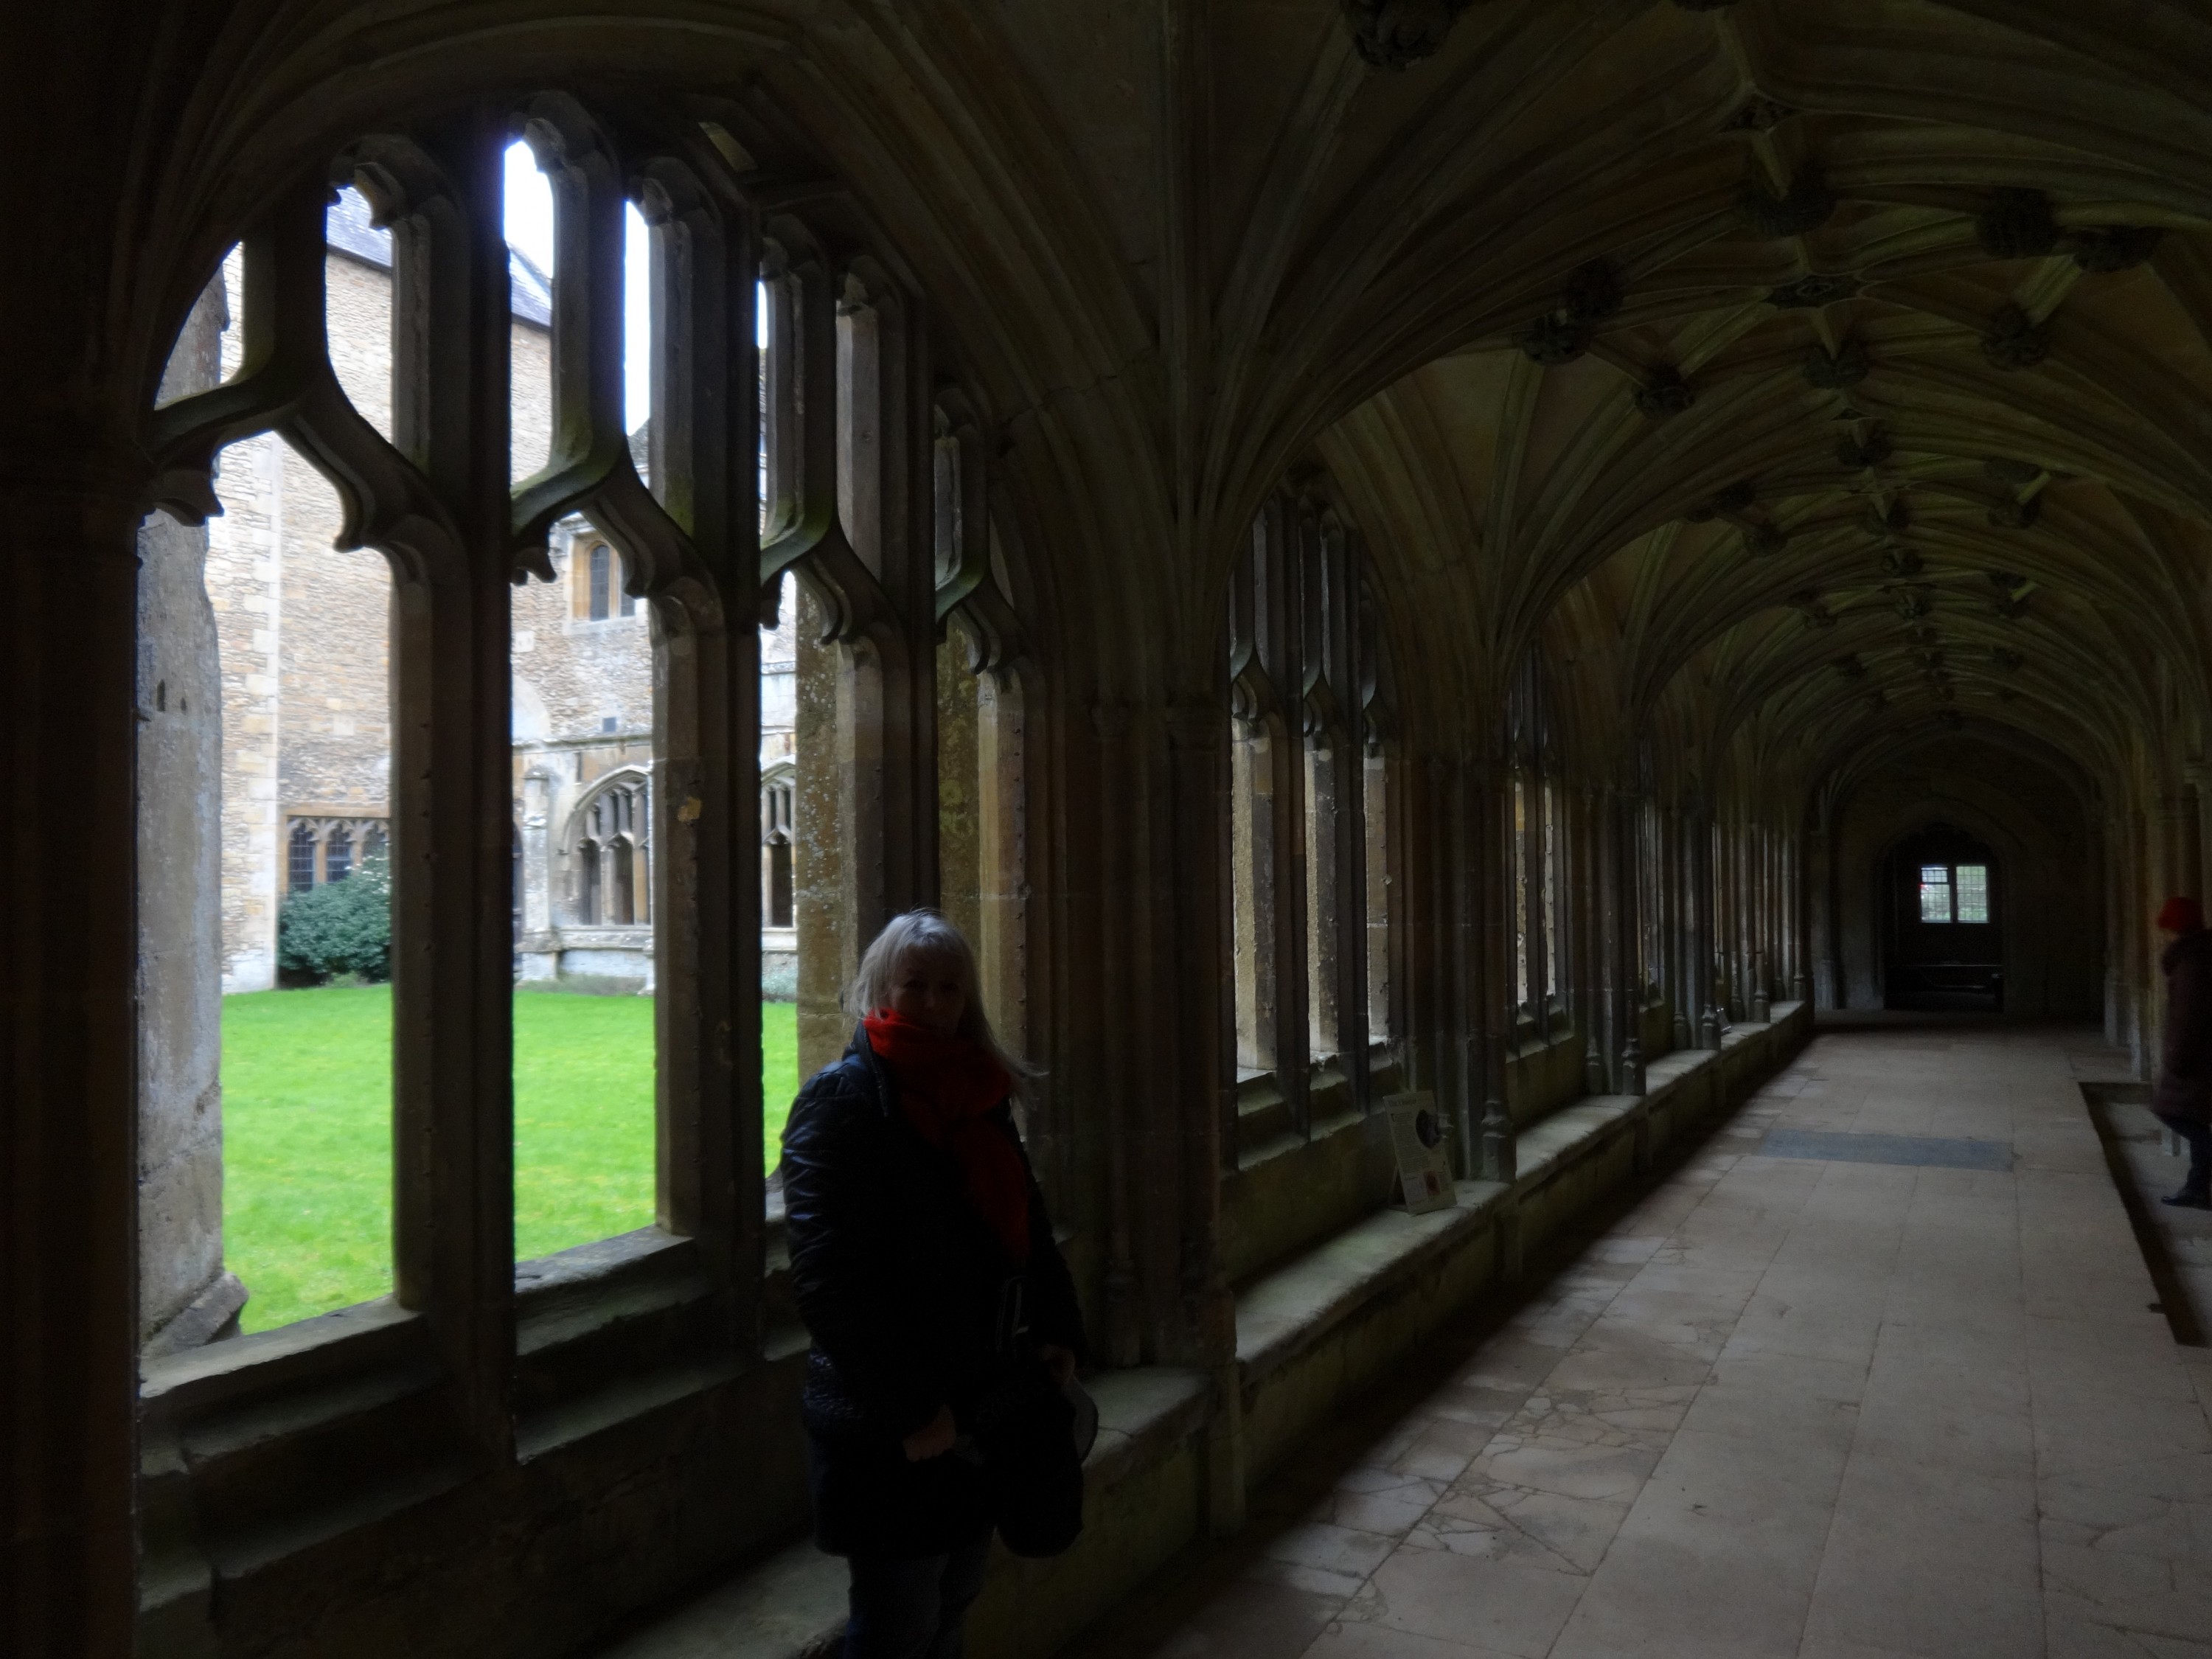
column 2183, row 1094
column 943, row 1317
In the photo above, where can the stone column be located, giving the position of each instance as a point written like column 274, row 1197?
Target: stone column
column 70, row 510
column 185, row 1298
column 1624, row 871
column 1488, row 792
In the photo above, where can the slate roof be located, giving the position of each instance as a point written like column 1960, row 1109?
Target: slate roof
column 348, row 228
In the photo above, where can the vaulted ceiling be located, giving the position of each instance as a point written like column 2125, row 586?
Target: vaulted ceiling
column 1801, row 373
column 1874, row 405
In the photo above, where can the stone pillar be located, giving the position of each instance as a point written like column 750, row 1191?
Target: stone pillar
column 69, row 1105
column 1625, row 871
column 1488, row 792
column 959, row 803
column 821, row 912
column 185, row 1296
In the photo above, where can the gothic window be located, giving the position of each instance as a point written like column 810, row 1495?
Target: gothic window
column 299, row 859
column 319, row 850
column 1375, row 818
column 1936, row 893
column 1520, row 888
column 1535, row 855
column 779, row 801
column 599, row 589
column 609, row 855
column 1551, row 855
column 831, row 373
column 589, row 875
column 1974, row 891
column 1308, row 836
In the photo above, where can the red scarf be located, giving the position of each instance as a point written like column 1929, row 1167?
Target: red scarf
column 946, row 1087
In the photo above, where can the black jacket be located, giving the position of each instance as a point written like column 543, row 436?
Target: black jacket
column 2185, row 1060
column 913, row 1303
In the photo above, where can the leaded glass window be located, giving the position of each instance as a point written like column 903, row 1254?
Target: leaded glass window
column 1935, row 892
column 1973, row 892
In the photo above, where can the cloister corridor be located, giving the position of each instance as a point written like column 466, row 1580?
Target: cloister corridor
column 1777, row 1404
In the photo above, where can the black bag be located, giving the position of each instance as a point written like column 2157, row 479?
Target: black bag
column 1031, row 1438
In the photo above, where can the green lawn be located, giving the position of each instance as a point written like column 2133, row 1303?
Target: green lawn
column 306, row 1108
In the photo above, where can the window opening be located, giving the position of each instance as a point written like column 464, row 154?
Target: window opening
column 1936, row 893
column 587, row 948
column 1551, row 889
column 1376, row 816
column 1521, row 892
column 266, row 924
column 337, row 855
column 1974, row 893
column 357, row 306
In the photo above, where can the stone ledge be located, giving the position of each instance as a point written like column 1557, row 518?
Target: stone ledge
column 1322, row 1326
column 1297, row 1306
column 790, row 1605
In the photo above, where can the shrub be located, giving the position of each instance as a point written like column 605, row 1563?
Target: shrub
column 342, row 929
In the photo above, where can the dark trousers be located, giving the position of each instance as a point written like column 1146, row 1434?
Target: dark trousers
column 2198, row 1134
column 914, row 1609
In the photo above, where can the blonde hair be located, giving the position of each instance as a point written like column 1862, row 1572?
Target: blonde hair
column 930, row 933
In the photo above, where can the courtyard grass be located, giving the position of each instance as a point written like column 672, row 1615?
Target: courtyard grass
column 306, row 1104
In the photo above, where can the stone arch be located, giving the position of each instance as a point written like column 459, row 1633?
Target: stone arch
column 2050, row 905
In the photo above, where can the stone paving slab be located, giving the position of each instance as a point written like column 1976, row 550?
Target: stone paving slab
column 1920, row 1151
column 1815, row 1407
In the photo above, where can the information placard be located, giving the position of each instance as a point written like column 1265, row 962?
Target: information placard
column 1417, row 1136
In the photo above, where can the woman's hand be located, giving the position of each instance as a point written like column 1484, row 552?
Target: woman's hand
column 1060, row 1362
column 933, row 1438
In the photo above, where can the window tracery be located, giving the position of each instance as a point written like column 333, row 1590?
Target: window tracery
column 320, row 849
column 1308, row 920
column 609, row 852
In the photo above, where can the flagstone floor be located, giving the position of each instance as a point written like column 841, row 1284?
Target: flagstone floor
column 1828, row 1391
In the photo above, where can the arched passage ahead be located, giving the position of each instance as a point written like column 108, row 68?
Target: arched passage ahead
column 1943, row 937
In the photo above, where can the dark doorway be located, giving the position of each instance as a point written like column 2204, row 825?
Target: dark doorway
column 1945, row 940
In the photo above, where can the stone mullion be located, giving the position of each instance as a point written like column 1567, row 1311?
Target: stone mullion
column 1349, row 759
column 1626, row 1050
column 1347, row 755
column 452, row 812
column 1286, row 758
column 1427, row 993
column 707, row 893
column 1704, row 927
column 1279, row 626
column 1489, row 881
column 1591, row 956
column 1677, row 941
column 907, row 549
column 1532, row 898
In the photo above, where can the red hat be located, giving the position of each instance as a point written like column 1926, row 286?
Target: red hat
column 2182, row 915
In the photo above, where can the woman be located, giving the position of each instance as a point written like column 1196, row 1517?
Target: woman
column 2183, row 1094
column 925, row 1268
